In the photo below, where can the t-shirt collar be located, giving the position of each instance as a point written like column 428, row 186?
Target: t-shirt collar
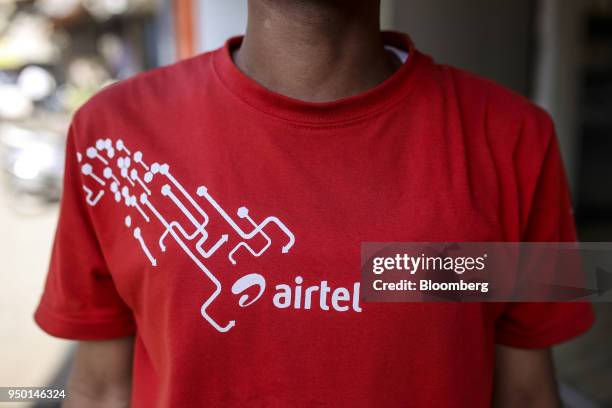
column 352, row 108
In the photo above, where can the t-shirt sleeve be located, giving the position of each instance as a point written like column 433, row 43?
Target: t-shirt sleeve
column 549, row 219
column 80, row 300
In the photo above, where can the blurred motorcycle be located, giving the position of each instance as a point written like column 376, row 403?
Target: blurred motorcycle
column 32, row 165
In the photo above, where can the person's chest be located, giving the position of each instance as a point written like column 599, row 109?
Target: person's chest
column 238, row 230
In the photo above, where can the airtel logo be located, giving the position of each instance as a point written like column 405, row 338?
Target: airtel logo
column 296, row 296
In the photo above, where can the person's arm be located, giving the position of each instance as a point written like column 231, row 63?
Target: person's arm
column 524, row 378
column 101, row 374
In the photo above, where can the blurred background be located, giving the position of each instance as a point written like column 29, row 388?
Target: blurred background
column 54, row 54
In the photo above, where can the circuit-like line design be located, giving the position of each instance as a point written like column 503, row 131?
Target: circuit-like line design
column 131, row 185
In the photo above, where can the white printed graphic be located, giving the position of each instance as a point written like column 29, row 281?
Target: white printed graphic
column 127, row 178
column 242, row 284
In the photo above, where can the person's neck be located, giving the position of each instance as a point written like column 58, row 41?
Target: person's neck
column 314, row 50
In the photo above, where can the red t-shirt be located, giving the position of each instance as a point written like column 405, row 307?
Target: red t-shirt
column 220, row 223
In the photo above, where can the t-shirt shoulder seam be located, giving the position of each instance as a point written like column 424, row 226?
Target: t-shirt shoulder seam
column 117, row 87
